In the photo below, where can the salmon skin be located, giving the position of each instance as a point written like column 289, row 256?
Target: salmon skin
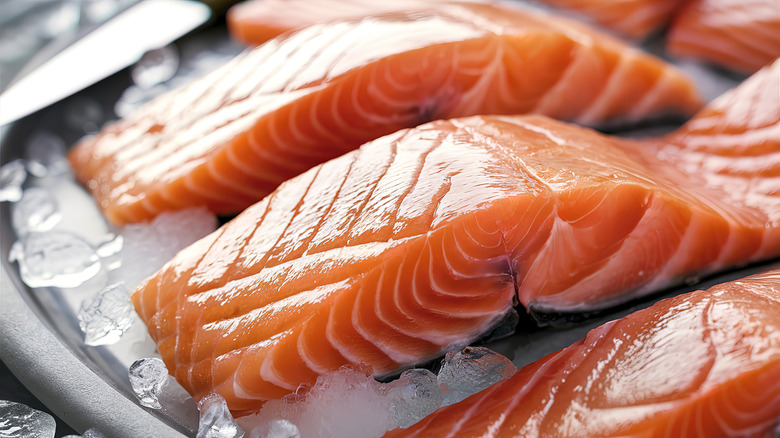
column 703, row 364
column 632, row 18
column 737, row 35
column 230, row 139
column 421, row 241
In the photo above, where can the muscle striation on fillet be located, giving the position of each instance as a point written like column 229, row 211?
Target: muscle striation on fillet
column 229, row 139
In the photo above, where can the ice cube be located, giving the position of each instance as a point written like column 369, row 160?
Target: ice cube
column 148, row 246
column 36, row 211
column 148, row 376
column 12, row 176
column 471, row 370
column 279, row 428
column 155, row 67
column 106, row 317
column 414, row 395
column 22, row 421
column 55, row 258
column 216, row 420
column 46, row 155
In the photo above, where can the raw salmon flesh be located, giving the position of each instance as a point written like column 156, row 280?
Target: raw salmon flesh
column 633, row 18
column 228, row 140
column 424, row 239
column 738, row 35
column 257, row 21
column 703, row 364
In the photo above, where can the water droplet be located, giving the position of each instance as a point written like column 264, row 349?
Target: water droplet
column 12, row 177
column 155, row 67
column 106, row 317
column 54, row 258
column 36, row 211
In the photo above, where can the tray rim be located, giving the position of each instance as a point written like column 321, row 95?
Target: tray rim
column 67, row 386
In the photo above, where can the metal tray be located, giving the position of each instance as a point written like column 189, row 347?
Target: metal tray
column 88, row 387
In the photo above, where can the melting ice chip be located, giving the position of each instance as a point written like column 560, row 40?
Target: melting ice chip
column 54, row 258
column 413, row 396
column 147, row 377
column 106, row 317
column 12, row 176
column 46, row 155
column 22, row 421
column 216, row 420
column 155, row 67
column 36, row 211
column 471, row 370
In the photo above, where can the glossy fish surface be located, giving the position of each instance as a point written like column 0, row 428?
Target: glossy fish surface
column 422, row 240
column 633, row 18
column 257, row 21
column 737, row 35
column 227, row 140
column 703, row 364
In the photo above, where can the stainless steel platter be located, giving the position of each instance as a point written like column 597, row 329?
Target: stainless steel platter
column 88, row 387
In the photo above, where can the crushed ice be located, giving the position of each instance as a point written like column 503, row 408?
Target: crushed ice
column 280, row 428
column 107, row 316
column 348, row 402
column 37, row 211
column 55, row 258
column 216, row 420
column 471, row 370
column 147, row 247
column 21, row 421
column 148, row 376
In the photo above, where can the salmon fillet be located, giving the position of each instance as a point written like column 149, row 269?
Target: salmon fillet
column 422, row 240
column 257, row 21
column 703, row 364
column 633, row 18
column 737, row 35
column 228, row 140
